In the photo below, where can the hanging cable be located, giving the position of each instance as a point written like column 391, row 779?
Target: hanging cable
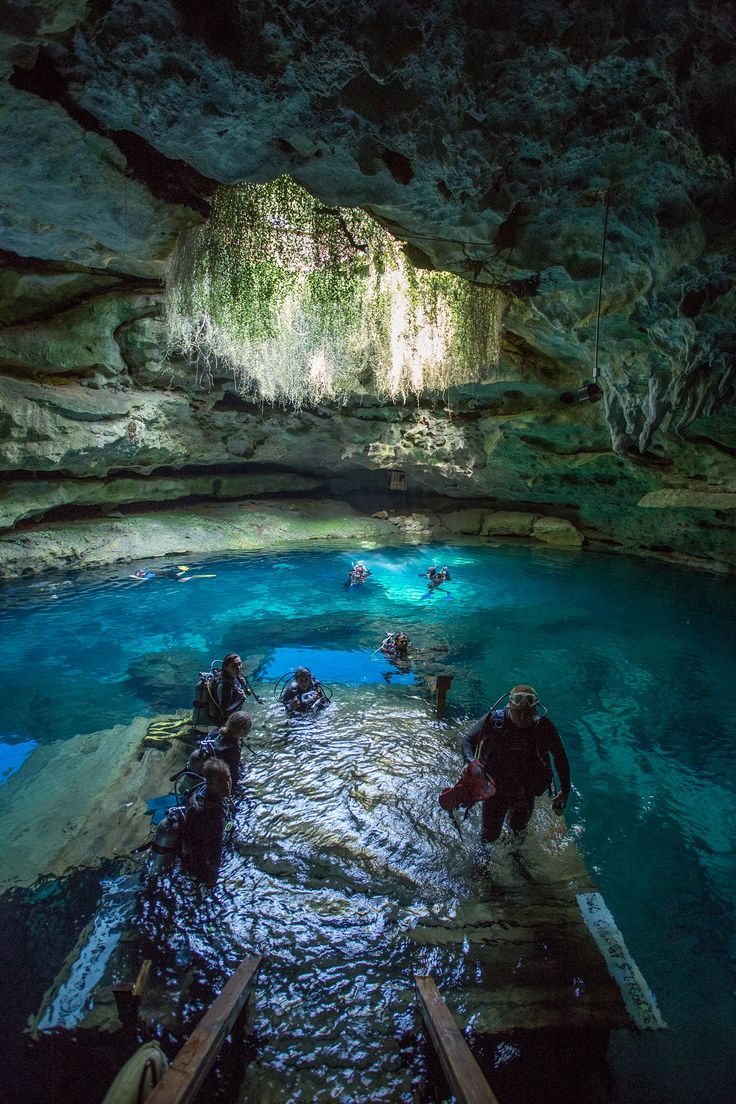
column 607, row 204
column 591, row 390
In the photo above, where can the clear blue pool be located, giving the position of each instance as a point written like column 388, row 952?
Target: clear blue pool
column 634, row 661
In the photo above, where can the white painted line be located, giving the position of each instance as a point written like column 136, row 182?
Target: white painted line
column 638, row 998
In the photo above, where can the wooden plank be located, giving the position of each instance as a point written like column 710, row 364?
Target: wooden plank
column 185, row 1076
column 464, row 1075
column 142, row 980
column 444, row 682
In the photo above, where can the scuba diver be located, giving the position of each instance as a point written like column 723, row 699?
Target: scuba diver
column 227, row 690
column 304, row 693
column 208, row 810
column 437, row 575
column 358, row 574
column 225, row 743
column 396, row 649
column 396, row 646
column 178, row 572
column 143, row 573
column 510, row 748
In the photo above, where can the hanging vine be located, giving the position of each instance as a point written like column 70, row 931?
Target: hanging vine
column 306, row 302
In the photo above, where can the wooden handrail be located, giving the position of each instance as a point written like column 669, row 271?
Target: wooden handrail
column 464, row 1075
column 184, row 1077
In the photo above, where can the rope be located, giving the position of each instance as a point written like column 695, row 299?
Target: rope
column 607, row 201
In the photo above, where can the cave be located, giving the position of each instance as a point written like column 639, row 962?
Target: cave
column 372, row 276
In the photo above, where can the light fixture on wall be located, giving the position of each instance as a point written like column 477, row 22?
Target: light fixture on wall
column 588, row 392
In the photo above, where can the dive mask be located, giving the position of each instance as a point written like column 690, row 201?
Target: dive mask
column 523, row 698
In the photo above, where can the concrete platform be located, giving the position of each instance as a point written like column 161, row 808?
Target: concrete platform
column 541, row 949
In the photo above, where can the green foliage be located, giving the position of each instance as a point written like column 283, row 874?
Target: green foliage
column 306, row 302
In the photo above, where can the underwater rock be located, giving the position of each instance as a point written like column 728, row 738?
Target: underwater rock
column 532, row 958
column 76, row 802
column 165, row 679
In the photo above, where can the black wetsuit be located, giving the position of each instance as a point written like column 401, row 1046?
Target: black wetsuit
column 215, row 744
column 203, row 837
column 398, row 656
column 228, row 696
column 439, row 577
column 301, row 701
column 517, row 759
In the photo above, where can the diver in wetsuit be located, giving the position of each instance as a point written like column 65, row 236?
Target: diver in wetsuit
column 396, row 646
column 438, row 575
column 513, row 746
column 358, row 574
column 304, row 693
column 228, row 689
column 207, row 813
column 396, row 649
column 225, row 743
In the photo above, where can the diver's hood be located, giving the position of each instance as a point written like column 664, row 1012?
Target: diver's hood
column 472, row 787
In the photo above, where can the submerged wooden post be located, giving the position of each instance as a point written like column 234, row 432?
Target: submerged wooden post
column 128, row 995
column 464, row 1075
column 444, row 682
column 184, row 1077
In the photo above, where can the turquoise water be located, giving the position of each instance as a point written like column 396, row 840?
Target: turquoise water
column 634, row 662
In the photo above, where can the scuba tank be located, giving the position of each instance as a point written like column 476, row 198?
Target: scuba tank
column 166, row 840
column 168, row 831
column 204, row 705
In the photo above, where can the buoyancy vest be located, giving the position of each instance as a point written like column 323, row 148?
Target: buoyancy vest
column 305, row 699
column 208, row 705
column 214, row 745
column 203, row 833
column 516, row 758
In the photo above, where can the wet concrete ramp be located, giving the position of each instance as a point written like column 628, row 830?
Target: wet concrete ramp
column 541, row 949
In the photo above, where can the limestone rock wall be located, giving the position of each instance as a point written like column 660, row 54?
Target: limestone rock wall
column 485, row 136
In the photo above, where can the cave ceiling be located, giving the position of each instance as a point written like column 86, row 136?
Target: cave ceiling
column 484, row 135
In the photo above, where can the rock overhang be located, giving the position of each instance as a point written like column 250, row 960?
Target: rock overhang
column 483, row 136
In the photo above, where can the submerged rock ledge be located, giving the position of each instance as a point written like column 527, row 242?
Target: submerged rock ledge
column 262, row 525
